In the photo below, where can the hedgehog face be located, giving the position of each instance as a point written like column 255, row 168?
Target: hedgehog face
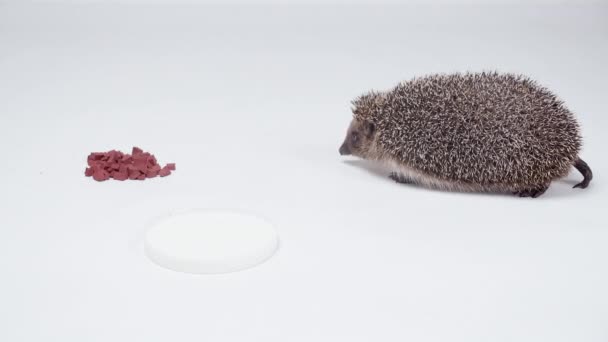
column 359, row 139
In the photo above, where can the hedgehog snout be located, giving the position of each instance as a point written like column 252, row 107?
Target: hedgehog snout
column 344, row 150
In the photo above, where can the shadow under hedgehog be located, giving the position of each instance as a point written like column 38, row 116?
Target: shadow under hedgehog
column 476, row 132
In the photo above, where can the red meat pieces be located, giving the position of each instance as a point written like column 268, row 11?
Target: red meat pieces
column 138, row 165
column 164, row 172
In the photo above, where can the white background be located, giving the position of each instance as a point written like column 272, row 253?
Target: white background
column 326, row 2
column 252, row 104
column 315, row 2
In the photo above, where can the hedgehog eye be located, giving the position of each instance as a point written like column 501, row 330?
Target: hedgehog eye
column 355, row 138
column 369, row 129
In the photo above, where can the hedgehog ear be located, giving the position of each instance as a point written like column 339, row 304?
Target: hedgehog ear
column 368, row 128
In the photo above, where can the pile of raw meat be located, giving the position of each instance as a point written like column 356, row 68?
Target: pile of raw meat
column 122, row 166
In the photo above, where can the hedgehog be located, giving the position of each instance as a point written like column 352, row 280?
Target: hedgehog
column 470, row 132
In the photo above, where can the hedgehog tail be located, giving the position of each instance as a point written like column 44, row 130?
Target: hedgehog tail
column 584, row 169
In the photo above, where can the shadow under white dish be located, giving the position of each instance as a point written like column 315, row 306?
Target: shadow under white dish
column 210, row 241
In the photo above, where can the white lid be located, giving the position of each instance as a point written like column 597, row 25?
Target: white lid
column 210, row 241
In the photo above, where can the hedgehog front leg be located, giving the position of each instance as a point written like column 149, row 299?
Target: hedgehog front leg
column 400, row 178
column 532, row 192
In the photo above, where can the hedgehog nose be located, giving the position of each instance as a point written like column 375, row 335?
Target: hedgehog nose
column 344, row 151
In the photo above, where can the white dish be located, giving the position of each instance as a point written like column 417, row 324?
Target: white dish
column 210, row 241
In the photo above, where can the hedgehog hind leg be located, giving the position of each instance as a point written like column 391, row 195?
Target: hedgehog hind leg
column 400, row 178
column 585, row 170
column 533, row 192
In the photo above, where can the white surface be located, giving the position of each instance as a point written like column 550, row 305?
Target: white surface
column 210, row 241
column 316, row 2
column 252, row 104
